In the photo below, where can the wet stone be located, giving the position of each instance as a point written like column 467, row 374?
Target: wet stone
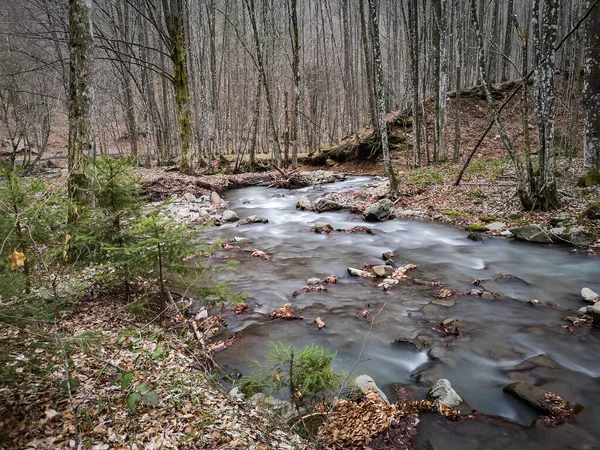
column 448, row 302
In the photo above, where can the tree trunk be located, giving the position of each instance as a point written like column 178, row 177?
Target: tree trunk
column 369, row 66
column 81, row 94
column 173, row 12
column 380, row 97
column 591, row 97
column 296, row 75
column 413, row 40
column 459, row 60
column 261, row 72
column 545, row 20
column 440, row 81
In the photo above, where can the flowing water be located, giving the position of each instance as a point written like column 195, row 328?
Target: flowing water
column 498, row 334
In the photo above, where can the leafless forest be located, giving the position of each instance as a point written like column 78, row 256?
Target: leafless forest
column 183, row 80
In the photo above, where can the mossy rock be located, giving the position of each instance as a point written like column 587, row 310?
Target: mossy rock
column 476, row 228
column 488, row 219
column 475, row 236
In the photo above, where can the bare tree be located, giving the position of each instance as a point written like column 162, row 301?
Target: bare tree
column 81, row 96
column 591, row 96
column 544, row 21
column 173, row 11
column 380, row 96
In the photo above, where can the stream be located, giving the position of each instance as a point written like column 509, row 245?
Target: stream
column 498, row 333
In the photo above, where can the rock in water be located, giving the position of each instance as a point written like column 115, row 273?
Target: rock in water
column 365, row 382
column 304, row 204
column 381, row 210
column 230, row 216
column 442, row 392
column 322, row 227
column 383, row 271
column 535, row 397
column 532, row 233
column 589, row 295
column 595, row 312
column 326, row 203
column 356, row 272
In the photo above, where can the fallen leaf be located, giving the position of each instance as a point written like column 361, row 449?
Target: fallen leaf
column 17, row 259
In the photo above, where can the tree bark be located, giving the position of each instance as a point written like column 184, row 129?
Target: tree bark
column 545, row 22
column 591, row 97
column 173, row 13
column 296, row 74
column 380, row 97
column 81, row 94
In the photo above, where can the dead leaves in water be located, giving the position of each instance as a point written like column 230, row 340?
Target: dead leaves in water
column 285, row 312
column 445, row 293
column 310, row 288
column 260, row 254
column 560, row 410
column 396, row 277
column 240, row 308
column 320, row 323
column 331, row 279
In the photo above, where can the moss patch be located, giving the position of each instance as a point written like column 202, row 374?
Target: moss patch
column 476, row 228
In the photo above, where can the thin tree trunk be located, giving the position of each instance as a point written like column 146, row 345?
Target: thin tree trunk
column 296, row 74
column 81, row 94
column 261, row 71
column 380, row 95
column 591, row 97
column 368, row 65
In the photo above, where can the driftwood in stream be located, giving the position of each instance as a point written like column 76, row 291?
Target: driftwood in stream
column 288, row 180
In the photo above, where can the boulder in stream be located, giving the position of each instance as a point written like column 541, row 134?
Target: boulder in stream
column 304, row 204
column 381, row 210
column 253, row 219
column 589, row 295
column 364, row 382
column 443, row 392
column 540, row 399
column 230, row 216
column 532, row 233
column 327, row 203
column 322, row 227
